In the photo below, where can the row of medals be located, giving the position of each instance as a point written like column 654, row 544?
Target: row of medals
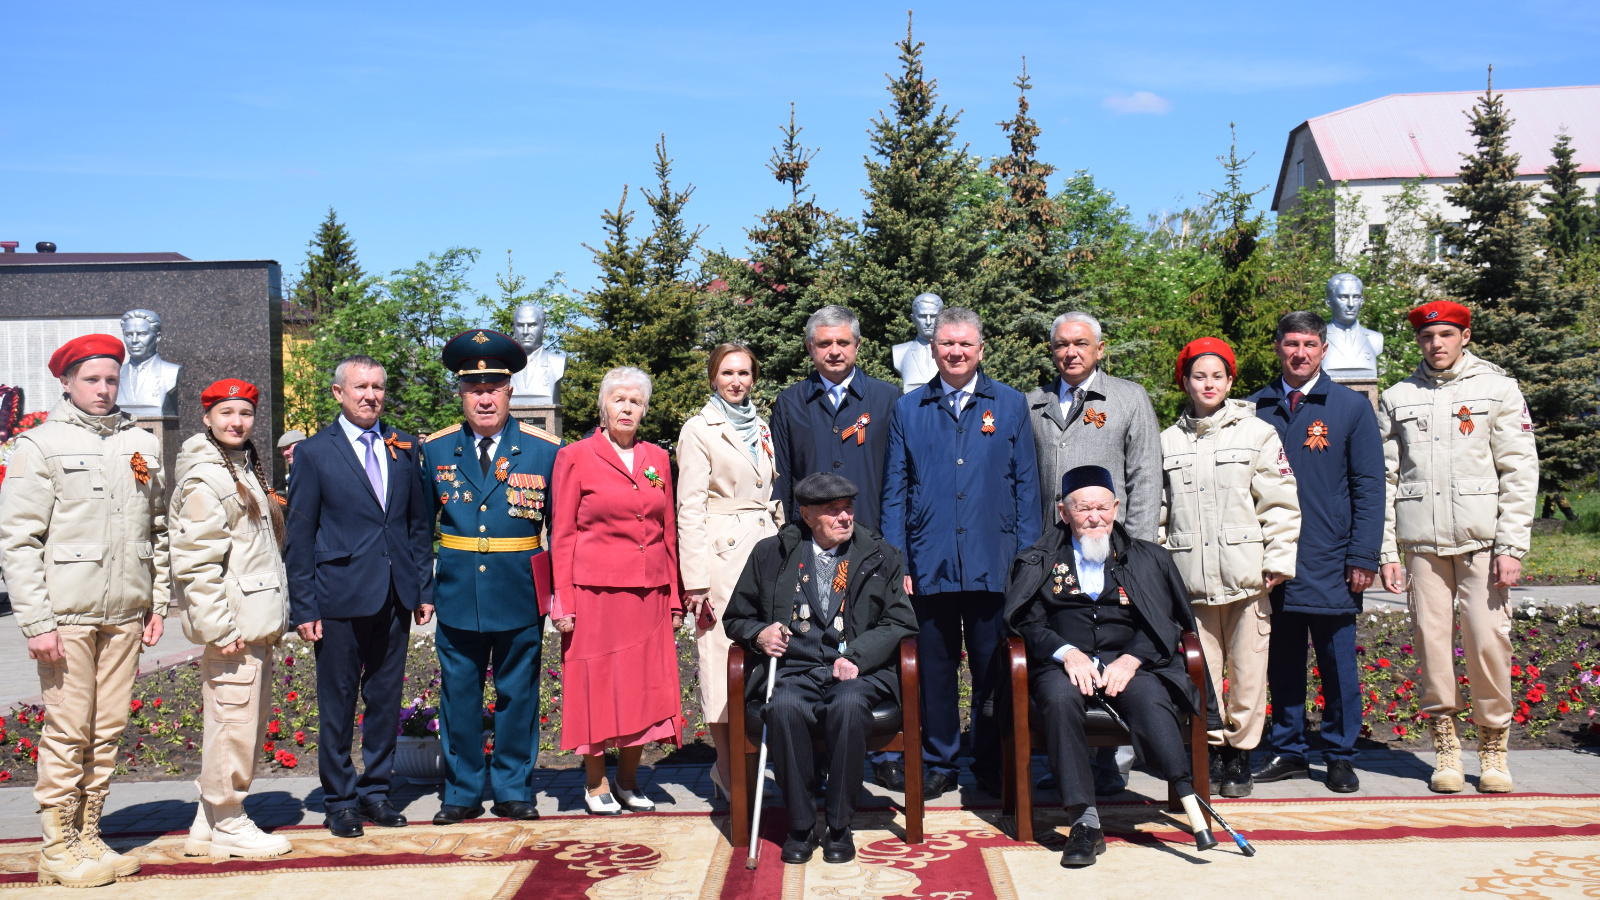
column 803, row 618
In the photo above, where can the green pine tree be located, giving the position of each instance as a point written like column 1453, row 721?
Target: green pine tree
column 1569, row 218
column 768, row 297
column 911, row 238
column 330, row 262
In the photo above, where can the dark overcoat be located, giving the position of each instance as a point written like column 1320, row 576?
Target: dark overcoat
column 808, row 437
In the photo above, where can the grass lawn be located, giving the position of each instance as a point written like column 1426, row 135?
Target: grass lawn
column 1573, row 556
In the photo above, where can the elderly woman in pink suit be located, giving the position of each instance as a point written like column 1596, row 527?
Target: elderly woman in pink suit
column 617, row 604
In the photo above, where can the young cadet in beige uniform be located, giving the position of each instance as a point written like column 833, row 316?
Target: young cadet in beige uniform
column 84, row 535
column 1463, row 474
column 227, row 535
column 1230, row 515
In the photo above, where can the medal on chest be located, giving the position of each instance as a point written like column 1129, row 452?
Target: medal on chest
column 1063, row 579
column 525, row 495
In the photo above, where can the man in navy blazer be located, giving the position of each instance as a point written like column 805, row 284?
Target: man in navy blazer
column 1331, row 436
column 960, row 500
column 360, row 562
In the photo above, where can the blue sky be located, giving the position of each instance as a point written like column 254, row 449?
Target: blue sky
column 224, row 131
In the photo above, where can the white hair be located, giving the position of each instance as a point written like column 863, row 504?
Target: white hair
column 956, row 315
column 832, row 316
column 1080, row 317
column 624, row 377
column 360, row 362
column 1095, row 547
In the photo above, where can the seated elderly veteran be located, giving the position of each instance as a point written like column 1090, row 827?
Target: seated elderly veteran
column 1101, row 614
column 827, row 598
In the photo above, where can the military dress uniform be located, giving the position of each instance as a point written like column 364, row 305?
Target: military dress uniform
column 491, row 526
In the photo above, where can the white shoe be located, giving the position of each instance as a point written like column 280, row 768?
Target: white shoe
column 637, row 802
column 236, row 835
column 602, row 804
column 718, row 789
column 198, row 843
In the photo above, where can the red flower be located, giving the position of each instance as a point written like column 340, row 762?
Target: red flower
column 300, row 738
column 286, row 759
column 266, row 747
column 136, row 705
column 22, row 714
column 1520, row 718
column 1400, row 730
column 273, row 728
column 4, row 777
column 1562, row 707
column 1516, row 671
column 1533, row 671
column 156, row 703
column 1383, row 663
column 34, row 754
column 293, row 696
column 24, row 743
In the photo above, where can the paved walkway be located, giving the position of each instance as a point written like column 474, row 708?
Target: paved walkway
column 159, row 806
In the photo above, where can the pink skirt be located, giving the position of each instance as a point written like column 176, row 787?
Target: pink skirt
column 619, row 671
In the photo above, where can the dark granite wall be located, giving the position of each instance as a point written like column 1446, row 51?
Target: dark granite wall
column 218, row 320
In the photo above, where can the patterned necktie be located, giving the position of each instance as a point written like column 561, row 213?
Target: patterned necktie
column 374, row 473
column 1294, row 400
column 483, row 455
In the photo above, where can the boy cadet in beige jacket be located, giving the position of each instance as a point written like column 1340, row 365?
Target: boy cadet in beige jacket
column 1230, row 515
column 1463, row 473
column 84, row 537
column 227, row 531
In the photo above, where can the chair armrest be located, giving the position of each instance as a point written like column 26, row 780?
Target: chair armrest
column 736, row 663
column 910, row 678
column 1194, row 661
column 1018, row 651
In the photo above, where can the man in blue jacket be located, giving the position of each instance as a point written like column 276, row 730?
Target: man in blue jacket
column 360, row 564
column 1331, row 435
column 961, row 500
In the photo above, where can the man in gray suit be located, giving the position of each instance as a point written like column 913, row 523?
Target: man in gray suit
column 1087, row 418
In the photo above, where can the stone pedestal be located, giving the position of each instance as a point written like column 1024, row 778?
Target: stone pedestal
column 546, row 416
column 1368, row 386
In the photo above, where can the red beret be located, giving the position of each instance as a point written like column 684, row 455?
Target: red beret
column 1200, row 347
column 1440, row 312
column 228, row 389
column 90, row 346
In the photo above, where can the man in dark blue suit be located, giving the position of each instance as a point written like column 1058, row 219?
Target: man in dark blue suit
column 490, row 478
column 960, row 500
column 1331, row 436
column 360, row 562
column 836, row 421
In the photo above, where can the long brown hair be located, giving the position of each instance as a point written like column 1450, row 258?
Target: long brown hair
column 274, row 511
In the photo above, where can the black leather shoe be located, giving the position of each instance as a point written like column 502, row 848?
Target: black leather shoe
column 1218, row 757
column 344, row 823
column 798, row 846
column 383, row 814
column 1342, row 777
column 1046, row 782
column 890, row 774
column 1083, row 845
column 840, row 847
column 1281, row 768
column 521, row 810
column 989, row 784
column 1236, row 774
column 935, row 784
column 455, row 815
column 1109, row 784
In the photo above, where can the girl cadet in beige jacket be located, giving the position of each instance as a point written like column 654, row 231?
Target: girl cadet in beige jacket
column 725, row 505
column 227, row 537
column 1231, row 518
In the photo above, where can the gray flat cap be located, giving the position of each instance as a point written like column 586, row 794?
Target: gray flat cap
column 823, row 487
column 291, row 437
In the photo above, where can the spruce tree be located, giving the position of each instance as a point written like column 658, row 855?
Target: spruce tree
column 1524, row 319
column 615, row 307
column 330, row 262
column 910, row 239
column 1569, row 218
column 768, row 297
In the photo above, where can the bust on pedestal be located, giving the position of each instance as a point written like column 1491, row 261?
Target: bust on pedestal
column 914, row 359
column 536, row 390
column 148, row 382
column 1353, row 351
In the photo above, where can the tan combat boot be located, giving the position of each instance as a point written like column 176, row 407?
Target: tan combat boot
column 198, row 843
column 89, row 837
column 233, row 834
column 62, row 860
column 1494, row 771
column 1448, row 777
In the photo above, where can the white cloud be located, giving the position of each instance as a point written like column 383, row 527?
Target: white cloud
column 1137, row 102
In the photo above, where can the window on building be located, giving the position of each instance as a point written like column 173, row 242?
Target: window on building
column 1300, row 173
column 1375, row 234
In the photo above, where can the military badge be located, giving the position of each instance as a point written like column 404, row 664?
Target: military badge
column 805, row 618
column 466, row 496
column 654, row 477
column 502, row 468
column 1464, row 416
column 444, row 474
column 444, row 498
column 1317, row 436
column 1122, row 596
column 1097, row 418
column 988, row 422
column 858, row 430
column 141, row 469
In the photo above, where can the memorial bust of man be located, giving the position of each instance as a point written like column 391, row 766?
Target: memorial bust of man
column 914, row 359
column 540, row 383
column 149, row 383
column 1353, row 351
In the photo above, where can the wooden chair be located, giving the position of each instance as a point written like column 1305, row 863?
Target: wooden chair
column 894, row 728
column 1018, row 745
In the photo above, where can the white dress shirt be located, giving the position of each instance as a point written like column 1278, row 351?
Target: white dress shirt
column 353, row 434
column 1091, row 581
column 836, row 391
column 1304, row 389
column 966, row 391
column 1067, row 392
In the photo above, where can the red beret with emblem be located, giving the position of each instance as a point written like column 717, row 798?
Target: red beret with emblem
column 1440, row 312
column 90, row 346
column 229, row 389
column 1200, row 347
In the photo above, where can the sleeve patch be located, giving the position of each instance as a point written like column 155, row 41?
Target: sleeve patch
column 1283, row 463
column 1527, row 417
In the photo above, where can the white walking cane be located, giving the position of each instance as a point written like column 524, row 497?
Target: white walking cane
column 761, row 770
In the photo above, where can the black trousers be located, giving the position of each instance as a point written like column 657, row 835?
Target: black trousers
column 363, row 657
column 1146, row 705
column 804, row 707
column 946, row 621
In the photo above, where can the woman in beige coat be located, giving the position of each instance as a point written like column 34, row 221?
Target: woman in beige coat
column 227, row 537
column 1231, row 518
column 725, row 505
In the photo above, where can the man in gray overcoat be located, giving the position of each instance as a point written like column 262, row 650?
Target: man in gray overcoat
column 1087, row 418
